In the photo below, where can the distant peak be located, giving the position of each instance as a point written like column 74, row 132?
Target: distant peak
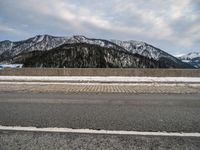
column 79, row 37
column 6, row 41
column 128, row 41
column 194, row 53
column 190, row 55
column 38, row 38
column 43, row 36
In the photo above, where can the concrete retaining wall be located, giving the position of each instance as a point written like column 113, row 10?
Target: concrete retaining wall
column 100, row 72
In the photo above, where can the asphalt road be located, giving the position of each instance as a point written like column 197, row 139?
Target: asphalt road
column 151, row 112
column 71, row 141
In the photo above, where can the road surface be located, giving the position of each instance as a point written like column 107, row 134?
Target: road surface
column 175, row 113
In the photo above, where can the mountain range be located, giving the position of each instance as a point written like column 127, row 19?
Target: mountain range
column 83, row 52
column 192, row 58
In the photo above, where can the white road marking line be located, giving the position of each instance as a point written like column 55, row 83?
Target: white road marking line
column 90, row 131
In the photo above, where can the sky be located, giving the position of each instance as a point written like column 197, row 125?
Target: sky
column 171, row 25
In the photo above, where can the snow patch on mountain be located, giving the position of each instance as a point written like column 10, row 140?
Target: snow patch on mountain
column 40, row 38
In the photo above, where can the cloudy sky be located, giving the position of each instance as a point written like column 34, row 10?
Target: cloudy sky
column 172, row 25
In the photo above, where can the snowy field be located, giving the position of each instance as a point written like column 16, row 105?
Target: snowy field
column 102, row 79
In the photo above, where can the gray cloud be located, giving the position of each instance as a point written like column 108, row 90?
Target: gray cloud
column 171, row 25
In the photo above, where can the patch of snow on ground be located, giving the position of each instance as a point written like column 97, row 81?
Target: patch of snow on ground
column 102, row 79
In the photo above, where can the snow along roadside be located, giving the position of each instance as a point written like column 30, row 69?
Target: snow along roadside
column 102, row 79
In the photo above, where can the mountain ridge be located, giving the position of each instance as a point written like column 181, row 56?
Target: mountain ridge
column 193, row 58
column 10, row 50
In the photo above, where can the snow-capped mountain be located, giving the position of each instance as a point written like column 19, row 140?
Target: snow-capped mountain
column 84, row 55
column 9, row 49
column 145, row 49
column 192, row 58
column 135, row 47
column 12, row 51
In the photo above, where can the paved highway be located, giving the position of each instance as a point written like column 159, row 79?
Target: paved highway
column 128, row 112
